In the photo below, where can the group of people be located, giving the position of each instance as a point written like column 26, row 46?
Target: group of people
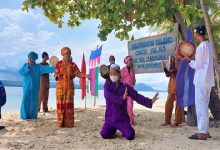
column 36, row 87
column 119, row 90
column 202, row 63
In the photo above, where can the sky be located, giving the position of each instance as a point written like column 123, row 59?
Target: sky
column 22, row 32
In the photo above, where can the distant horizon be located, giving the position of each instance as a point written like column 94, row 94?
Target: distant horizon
column 139, row 85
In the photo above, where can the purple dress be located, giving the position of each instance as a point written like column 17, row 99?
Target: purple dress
column 185, row 89
column 116, row 116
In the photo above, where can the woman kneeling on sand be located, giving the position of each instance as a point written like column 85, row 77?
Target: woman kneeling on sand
column 116, row 116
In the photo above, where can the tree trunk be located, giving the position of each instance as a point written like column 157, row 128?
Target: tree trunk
column 214, row 104
column 211, row 38
column 179, row 19
column 191, row 113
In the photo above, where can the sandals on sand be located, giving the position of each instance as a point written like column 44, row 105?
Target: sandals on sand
column 196, row 137
column 200, row 136
column 208, row 135
column 2, row 127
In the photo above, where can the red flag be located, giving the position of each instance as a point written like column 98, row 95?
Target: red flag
column 83, row 80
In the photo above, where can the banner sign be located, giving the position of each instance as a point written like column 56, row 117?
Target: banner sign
column 148, row 52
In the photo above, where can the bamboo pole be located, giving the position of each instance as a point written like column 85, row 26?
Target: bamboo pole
column 94, row 100
column 85, row 102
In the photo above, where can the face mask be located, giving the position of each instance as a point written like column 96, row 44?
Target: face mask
column 114, row 78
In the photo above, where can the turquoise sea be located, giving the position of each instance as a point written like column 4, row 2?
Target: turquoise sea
column 14, row 97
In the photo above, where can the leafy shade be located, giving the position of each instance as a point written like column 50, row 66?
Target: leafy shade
column 115, row 15
column 121, row 16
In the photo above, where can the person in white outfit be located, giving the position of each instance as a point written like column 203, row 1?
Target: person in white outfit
column 203, row 81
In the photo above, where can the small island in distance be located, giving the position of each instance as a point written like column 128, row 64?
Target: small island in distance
column 138, row 86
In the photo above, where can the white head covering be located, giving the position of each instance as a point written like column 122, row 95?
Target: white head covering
column 115, row 66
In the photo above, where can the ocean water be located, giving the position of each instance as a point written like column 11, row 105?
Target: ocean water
column 14, row 97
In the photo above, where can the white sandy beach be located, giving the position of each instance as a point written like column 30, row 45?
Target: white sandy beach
column 42, row 133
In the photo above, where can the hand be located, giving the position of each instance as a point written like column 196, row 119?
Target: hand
column 58, row 76
column 125, row 94
column 186, row 58
column 134, row 81
column 155, row 97
column 193, row 56
column 29, row 63
column 178, row 58
column 163, row 63
column 88, row 77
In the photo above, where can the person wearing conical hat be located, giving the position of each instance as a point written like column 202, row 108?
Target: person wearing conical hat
column 31, row 73
column 65, row 71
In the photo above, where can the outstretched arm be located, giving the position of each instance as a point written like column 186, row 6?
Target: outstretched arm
column 24, row 70
column 145, row 101
column 77, row 72
column 46, row 69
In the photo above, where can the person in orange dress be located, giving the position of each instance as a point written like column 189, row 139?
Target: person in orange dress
column 171, row 73
column 64, row 74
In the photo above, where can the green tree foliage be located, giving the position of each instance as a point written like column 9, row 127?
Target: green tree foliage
column 121, row 16
column 116, row 15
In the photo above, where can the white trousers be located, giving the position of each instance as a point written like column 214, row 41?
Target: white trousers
column 202, row 97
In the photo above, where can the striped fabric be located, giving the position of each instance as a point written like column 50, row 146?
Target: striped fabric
column 94, row 62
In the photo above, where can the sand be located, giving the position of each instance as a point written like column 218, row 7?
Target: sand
column 42, row 133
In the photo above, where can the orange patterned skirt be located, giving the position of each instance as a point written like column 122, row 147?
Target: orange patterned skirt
column 65, row 107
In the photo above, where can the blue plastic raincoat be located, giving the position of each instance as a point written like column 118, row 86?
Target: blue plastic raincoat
column 31, row 85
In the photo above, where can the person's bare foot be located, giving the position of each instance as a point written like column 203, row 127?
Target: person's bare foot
column 174, row 125
column 165, row 124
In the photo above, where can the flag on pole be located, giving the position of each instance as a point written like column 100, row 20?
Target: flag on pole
column 83, row 80
column 94, row 62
